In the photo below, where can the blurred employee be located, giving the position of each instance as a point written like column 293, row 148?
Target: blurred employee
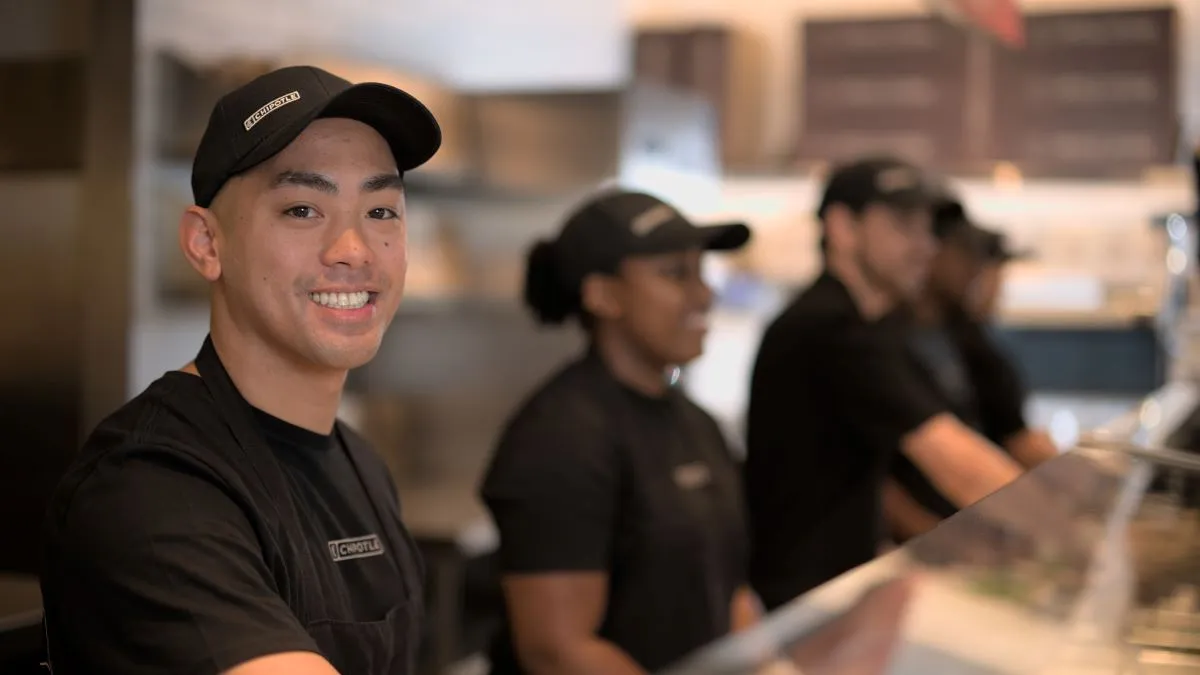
column 1000, row 393
column 223, row 521
column 949, row 337
column 835, row 393
column 952, row 320
column 622, row 534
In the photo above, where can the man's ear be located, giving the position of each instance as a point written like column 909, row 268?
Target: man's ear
column 840, row 228
column 198, row 239
column 599, row 296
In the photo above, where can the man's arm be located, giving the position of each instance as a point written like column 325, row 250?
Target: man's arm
column 873, row 376
column 964, row 466
column 300, row 663
column 746, row 610
column 906, row 517
column 151, row 567
column 1031, row 447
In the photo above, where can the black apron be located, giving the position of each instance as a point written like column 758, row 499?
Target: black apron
column 383, row 647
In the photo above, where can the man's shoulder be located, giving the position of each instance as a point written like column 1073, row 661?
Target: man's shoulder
column 818, row 311
column 175, row 410
column 169, row 435
column 824, row 302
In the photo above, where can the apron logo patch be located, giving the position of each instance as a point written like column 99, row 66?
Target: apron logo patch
column 692, row 476
column 355, row 547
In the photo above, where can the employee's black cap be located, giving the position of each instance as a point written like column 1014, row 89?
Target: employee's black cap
column 880, row 180
column 998, row 249
column 619, row 224
column 949, row 218
column 256, row 121
column 954, row 226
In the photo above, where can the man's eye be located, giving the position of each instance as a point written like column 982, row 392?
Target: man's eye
column 382, row 213
column 300, row 212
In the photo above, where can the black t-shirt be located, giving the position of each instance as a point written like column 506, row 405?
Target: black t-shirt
column 592, row 476
column 940, row 358
column 937, row 356
column 832, row 394
column 984, row 392
column 172, row 549
column 999, row 391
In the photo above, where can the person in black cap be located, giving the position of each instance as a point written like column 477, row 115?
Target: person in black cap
column 835, row 394
column 622, row 539
column 223, row 521
column 950, row 339
column 622, row 534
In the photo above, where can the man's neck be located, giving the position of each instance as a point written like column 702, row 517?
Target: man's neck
column 307, row 398
column 872, row 302
column 928, row 311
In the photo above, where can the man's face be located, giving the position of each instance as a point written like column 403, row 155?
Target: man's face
column 312, row 247
column 895, row 248
column 952, row 272
column 984, row 293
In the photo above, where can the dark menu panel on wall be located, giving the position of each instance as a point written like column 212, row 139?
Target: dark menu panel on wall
column 893, row 85
column 1092, row 94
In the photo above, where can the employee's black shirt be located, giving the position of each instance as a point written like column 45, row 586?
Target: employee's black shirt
column 979, row 384
column 171, row 549
column 591, row 476
column 999, row 390
column 831, row 396
column 937, row 356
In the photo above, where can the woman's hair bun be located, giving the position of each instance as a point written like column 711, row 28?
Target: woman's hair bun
column 546, row 292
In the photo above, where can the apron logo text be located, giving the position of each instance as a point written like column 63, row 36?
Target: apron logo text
column 355, row 547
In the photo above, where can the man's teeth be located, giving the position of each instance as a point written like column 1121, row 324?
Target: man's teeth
column 341, row 300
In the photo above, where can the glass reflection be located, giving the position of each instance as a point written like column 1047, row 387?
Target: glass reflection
column 1031, row 576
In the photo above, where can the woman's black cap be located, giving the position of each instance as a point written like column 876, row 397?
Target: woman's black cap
column 620, row 224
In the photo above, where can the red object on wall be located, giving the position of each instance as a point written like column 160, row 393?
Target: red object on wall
column 1000, row 19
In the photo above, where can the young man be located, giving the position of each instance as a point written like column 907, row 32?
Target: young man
column 977, row 381
column 835, row 395
column 223, row 521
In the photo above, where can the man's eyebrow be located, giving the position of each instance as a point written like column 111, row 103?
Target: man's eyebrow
column 386, row 181
column 306, row 179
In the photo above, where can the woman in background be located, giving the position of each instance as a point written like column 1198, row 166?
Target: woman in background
column 623, row 542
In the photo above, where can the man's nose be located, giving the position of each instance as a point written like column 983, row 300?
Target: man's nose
column 347, row 247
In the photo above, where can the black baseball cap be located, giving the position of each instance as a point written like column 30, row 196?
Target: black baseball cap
column 998, row 249
column 619, row 224
column 879, row 180
column 954, row 226
column 949, row 218
column 253, row 123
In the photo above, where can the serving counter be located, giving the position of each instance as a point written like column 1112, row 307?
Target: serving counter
column 1087, row 565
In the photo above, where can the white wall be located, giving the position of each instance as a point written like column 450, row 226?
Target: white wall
column 468, row 43
column 777, row 24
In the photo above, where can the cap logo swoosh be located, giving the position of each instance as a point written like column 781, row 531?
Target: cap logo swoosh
column 269, row 108
column 896, row 179
column 652, row 218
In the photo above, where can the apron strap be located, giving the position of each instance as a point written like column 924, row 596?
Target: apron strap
column 254, row 449
column 230, row 403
